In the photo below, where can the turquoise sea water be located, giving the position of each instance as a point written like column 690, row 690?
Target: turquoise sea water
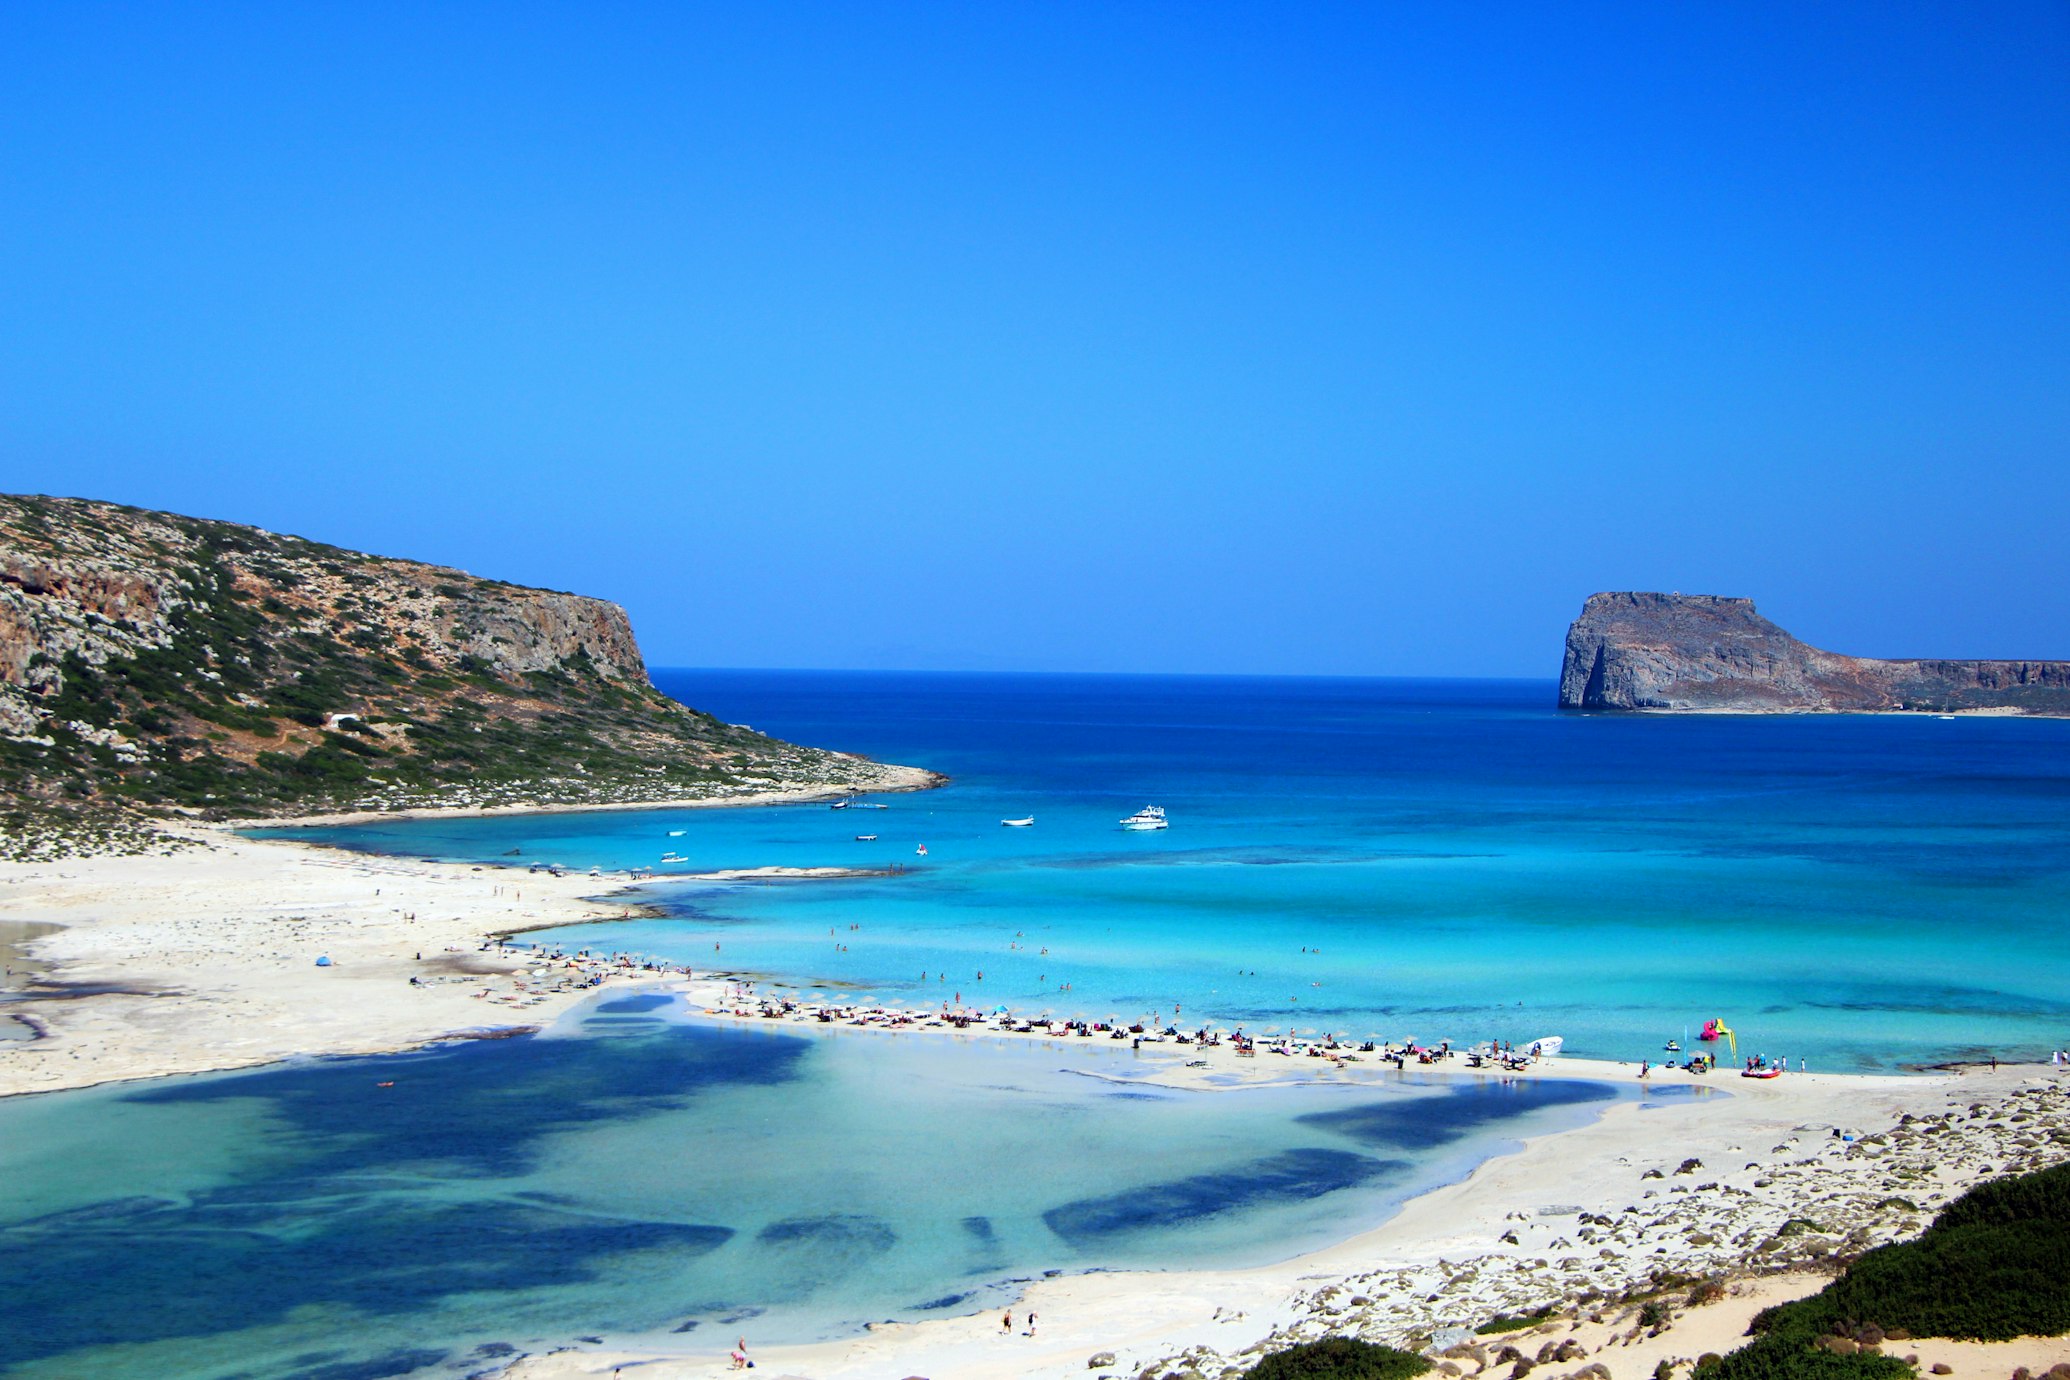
column 1423, row 860
column 1402, row 859
column 630, row 1173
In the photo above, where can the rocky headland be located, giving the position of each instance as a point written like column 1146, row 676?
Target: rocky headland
column 1704, row 652
column 155, row 664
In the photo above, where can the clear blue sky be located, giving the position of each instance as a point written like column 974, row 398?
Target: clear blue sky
column 1192, row 337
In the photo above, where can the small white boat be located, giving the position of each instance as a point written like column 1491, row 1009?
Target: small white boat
column 1149, row 817
column 673, row 857
column 921, row 851
column 1547, row 1047
column 865, row 838
column 1018, row 823
column 676, row 833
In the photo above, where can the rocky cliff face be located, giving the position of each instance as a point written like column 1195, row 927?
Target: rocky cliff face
column 164, row 660
column 1703, row 652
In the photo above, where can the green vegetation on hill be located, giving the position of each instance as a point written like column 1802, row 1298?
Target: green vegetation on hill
column 155, row 662
column 1994, row 1265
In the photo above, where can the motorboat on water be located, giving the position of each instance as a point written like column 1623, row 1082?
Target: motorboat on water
column 1673, row 1047
column 673, row 857
column 1548, row 1046
column 865, row 838
column 921, row 851
column 1149, row 817
column 1018, row 823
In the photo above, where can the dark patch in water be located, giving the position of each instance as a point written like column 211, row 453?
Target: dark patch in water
column 1422, row 1122
column 484, row 1106
column 945, row 1301
column 1938, row 1000
column 981, row 1228
column 1290, row 1176
column 77, row 991
column 346, row 1220
column 2008, row 861
column 164, row 1271
column 634, row 1002
column 843, row 1234
column 380, row 1368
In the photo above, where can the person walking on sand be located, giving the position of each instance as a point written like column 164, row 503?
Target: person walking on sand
column 1006, row 1323
column 1031, row 1324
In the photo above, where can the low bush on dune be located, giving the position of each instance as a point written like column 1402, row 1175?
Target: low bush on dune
column 1993, row 1266
column 1339, row 1358
column 1514, row 1322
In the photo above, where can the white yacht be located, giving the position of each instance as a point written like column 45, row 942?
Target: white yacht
column 1018, row 823
column 1149, row 817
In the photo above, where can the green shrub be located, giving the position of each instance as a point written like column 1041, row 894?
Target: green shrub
column 1514, row 1322
column 1994, row 1265
column 1339, row 1358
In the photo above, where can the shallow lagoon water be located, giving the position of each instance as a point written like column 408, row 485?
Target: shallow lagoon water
column 1400, row 859
column 633, row 1172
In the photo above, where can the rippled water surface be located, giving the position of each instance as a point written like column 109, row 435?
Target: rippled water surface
column 1403, row 859
column 631, row 1172
column 1397, row 858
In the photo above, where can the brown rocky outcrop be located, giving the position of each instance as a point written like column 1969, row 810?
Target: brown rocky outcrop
column 158, row 659
column 1705, row 652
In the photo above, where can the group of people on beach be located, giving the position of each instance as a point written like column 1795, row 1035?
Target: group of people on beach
column 582, row 969
column 740, row 1001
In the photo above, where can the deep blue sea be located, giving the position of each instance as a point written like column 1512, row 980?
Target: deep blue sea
column 1404, row 859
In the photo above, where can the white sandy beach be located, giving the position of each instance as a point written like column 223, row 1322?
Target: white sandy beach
column 214, row 949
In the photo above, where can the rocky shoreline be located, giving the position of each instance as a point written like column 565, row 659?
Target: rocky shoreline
column 1800, row 1207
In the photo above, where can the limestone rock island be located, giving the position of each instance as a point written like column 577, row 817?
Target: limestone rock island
column 1705, row 652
